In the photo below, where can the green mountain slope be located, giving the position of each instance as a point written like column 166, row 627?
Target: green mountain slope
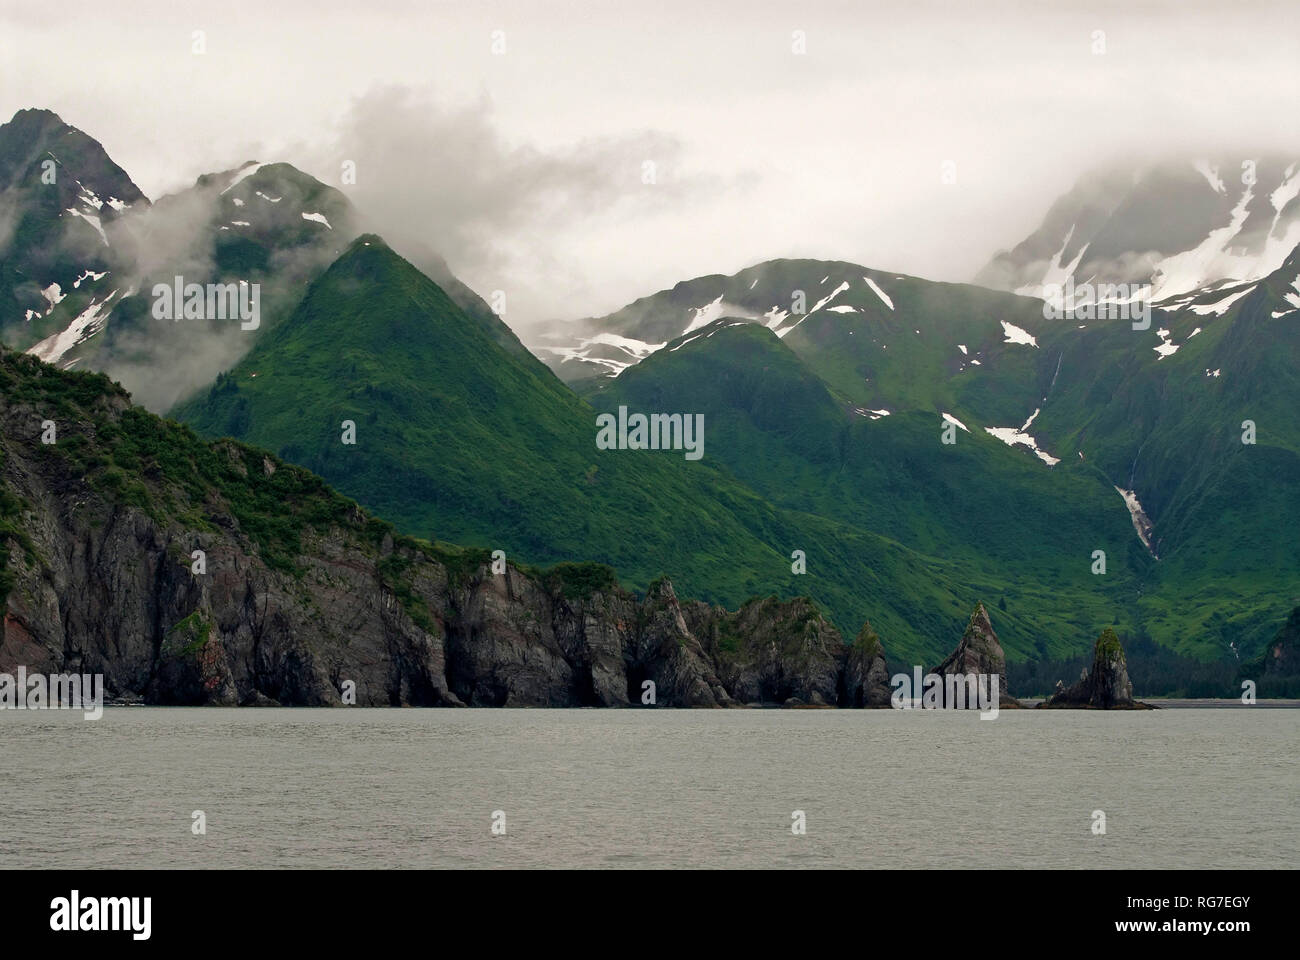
column 1090, row 408
column 996, row 517
column 1170, row 427
column 460, row 439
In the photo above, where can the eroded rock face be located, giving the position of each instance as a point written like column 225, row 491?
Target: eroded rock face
column 978, row 652
column 771, row 651
column 866, row 677
column 1106, row 686
column 99, row 576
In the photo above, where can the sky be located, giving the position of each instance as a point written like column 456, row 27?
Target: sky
column 517, row 138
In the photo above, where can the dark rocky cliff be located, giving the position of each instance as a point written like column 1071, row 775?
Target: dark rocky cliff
column 212, row 573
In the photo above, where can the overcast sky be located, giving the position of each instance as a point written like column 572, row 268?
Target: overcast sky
column 525, row 168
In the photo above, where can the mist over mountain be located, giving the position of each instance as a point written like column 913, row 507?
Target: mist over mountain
column 1179, row 226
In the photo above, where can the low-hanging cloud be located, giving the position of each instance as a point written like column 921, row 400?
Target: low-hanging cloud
column 434, row 177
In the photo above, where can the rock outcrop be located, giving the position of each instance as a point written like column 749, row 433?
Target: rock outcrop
column 979, row 653
column 865, row 678
column 195, row 573
column 772, row 651
column 1105, row 687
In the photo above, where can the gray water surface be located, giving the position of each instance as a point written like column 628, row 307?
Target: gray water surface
column 646, row 788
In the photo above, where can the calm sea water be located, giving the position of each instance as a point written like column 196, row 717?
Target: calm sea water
column 591, row 788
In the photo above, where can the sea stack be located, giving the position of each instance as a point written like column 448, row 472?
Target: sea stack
column 980, row 653
column 865, row 678
column 1106, row 686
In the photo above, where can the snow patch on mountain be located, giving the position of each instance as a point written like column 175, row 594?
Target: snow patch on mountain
column 243, row 174
column 1220, row 307
column 715, row 310
column 817, row 306
column 870, row 414
column 1011, row 437
column 880, row 293
column 1237, row 245
column 637, row 348
column 88, row 323
column 1141, row 522
column 774, row 317
column 1212, row 259
column 93, row 220
column 1016, row 334
column 317, row 218
column 1211, row 174
column 1056, row 272
column 704, row 336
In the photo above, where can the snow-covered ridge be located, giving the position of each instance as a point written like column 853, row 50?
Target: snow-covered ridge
column 1252, row 239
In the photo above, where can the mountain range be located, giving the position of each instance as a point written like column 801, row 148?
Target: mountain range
column 891, row 447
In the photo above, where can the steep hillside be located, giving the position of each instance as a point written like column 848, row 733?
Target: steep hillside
column 188, row 572
column 1110, row 429
column 1023, row 532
